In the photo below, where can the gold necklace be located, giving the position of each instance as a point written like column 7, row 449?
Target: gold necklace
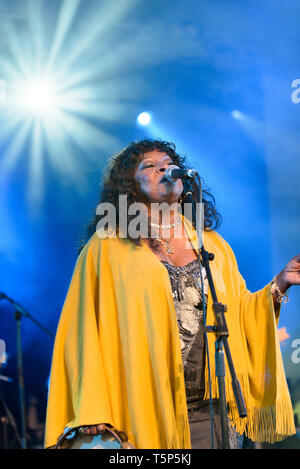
column 166, row 227
column 167, row 245
column 166, row 242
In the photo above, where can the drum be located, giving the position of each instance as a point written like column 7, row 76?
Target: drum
column 109, row 438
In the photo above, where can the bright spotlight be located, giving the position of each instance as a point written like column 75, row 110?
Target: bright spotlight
column 144, row 118
column 51, row 100
column 40, row 97
column 236, row 114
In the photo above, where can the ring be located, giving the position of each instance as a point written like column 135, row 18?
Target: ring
column 82, row 429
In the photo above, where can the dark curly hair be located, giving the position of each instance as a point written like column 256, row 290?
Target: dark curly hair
column 119, row 180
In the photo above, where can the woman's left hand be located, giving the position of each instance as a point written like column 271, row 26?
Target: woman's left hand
column 290, row 275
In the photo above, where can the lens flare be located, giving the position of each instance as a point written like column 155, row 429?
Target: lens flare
column 40, row 97
column 144, row 118
column 55, row 95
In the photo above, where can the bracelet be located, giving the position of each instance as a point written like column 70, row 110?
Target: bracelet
column 280, row 297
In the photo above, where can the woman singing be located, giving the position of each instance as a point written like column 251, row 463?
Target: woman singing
column 131, row 356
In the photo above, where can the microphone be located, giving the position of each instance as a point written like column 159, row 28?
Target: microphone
column 173, row 173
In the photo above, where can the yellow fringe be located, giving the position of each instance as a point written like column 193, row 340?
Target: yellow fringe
column 266, row 424
column 260, row 424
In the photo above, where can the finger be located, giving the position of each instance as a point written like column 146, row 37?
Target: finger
column 84, row 430
column 87, row 430
column 101, row 427
column 122, row 436
column 93, row 430
column 128, row 445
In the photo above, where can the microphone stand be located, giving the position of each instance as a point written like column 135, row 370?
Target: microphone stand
column 9, row 419
column 220, row 329
column 19, row 311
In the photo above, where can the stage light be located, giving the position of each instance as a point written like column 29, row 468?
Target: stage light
column 54, row 95
column 40, row 97
column 144, row 118
column 236, row 114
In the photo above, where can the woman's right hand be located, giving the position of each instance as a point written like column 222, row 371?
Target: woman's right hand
column 101, row 429
column 93, row 429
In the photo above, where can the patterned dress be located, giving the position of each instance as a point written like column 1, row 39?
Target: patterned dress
column 188, row 297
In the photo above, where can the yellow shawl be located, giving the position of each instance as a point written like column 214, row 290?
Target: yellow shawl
column 117, row 356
